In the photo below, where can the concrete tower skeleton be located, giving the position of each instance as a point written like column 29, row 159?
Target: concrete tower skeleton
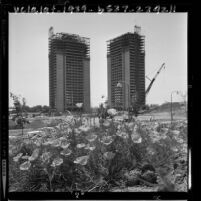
column 126, row 64
column 69, row 71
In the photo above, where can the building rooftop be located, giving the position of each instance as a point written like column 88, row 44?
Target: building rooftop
column 137, row 31
column 67, row 36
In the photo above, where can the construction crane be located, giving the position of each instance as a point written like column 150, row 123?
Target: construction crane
column 139, row 109
column 152, row 81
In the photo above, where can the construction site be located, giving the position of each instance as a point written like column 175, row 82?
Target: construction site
column 69, row 71
column 117, row 142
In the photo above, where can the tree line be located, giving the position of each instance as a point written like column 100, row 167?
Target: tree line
column 19, row 105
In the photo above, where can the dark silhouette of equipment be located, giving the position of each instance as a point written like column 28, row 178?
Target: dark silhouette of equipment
column 144, row 109
column 152, row 81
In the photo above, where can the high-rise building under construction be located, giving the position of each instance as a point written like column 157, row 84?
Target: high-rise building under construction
column 126, row 70
column 69, row 71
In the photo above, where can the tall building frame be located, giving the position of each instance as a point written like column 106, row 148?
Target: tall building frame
column 69, row 71
column 126, row 64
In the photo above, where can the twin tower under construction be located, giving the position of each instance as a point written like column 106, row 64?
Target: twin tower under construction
column 69, row 71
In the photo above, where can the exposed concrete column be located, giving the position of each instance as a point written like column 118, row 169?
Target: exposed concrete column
column 126, row 77
column 59, row 83
column 109, row 81
column 86, row 70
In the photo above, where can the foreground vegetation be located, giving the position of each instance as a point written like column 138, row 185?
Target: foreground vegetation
column 72, row 154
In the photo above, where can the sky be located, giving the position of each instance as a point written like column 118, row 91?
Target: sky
column 165, row 42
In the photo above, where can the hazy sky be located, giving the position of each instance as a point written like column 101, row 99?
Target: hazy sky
column 165, row 41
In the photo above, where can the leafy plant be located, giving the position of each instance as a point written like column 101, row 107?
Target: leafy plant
column 73, row 155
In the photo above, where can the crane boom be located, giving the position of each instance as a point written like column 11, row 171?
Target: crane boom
column 152, row 81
